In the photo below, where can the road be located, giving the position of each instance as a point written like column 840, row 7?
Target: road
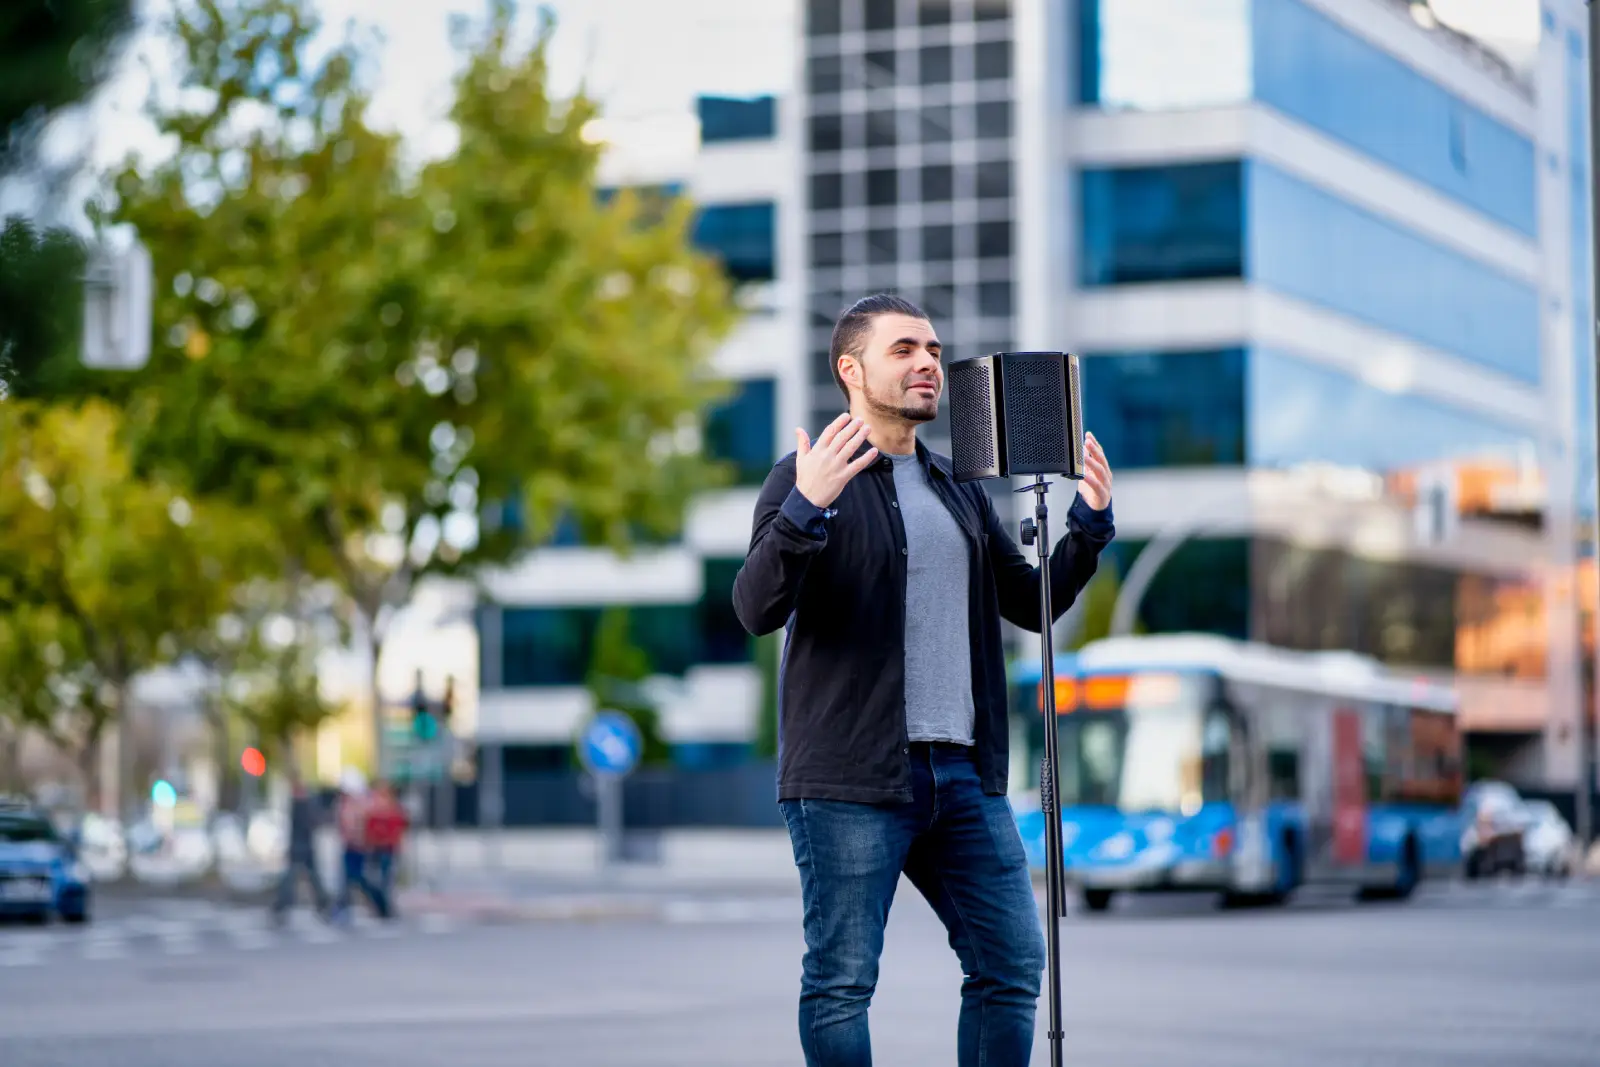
column 1465, row 976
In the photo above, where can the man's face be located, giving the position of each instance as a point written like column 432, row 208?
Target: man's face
column 900, row 370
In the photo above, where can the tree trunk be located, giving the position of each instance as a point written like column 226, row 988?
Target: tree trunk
column 94, row 786
column 380, row 762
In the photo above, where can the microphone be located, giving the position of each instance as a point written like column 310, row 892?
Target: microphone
column 1015, row 413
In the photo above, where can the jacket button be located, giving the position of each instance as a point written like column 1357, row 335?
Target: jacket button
column 902, row 551
column 894, row 503
column 905, row 752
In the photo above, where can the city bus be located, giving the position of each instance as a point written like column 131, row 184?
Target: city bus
column 1200, row 763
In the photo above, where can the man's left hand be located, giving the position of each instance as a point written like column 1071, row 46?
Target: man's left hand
column 1095, row 488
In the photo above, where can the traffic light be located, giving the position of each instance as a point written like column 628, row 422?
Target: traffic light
column 423, row 725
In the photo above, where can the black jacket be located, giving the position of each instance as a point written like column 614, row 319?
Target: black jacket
column 837, row 580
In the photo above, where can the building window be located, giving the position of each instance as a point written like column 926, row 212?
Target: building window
column 1162, row 55
column 1146, row 224
column 879, row 69
column 546, row 646
column 742, row 236
column 1167, row 409
column 740, row 430
column 933, row 12
column 882, row 246
column 993, row 60
column 938, row 183
column 724, row 638
column 823, row 17
column 939, row 244
column 731, row 119
column 939, row 301
column 991, row 10
column 1203, row 587
column 994, row 299
column 827, row 250
column 824, row 74
column 938, row 124
column 936, row 65
column 994, row 180
column 881, row 129
column 882, row 188
column 994, row 240
column 827, row 192
column 880, row 15
column 827, row 133
column 667, row 634
column 994, row 119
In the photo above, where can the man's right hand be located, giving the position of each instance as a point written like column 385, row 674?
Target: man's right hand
column 822, row 470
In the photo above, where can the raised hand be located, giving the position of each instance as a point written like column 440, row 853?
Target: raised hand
column 822, row 470
column 1095, row 489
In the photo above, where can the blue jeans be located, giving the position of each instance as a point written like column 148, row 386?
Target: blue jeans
column 355, row 877
column 960, row 848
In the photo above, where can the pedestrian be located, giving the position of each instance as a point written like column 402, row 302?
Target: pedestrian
column 305, row 818
column 387, row 823
column 892, row 580
column 352, row 819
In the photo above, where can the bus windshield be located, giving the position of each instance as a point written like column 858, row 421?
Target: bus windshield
column 1160, row 748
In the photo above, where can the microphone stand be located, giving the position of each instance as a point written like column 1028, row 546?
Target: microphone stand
column 1036, row 531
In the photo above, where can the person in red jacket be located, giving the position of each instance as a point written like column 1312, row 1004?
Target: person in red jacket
column 387, row 823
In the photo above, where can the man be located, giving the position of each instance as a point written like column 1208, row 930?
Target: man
column 891, row 579
column 305, row 817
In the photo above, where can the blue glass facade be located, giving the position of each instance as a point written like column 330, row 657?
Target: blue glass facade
column 724, row 118
column 742, row 236
column 1310, row 244
column 1261, row 408
column 1167, row 409
column 1165, row 54
column 740, row 430
column 1300, row 412
column 1316, row 71
column 1145, row 224
column 1250, row 220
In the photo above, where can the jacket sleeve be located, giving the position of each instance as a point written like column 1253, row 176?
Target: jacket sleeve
column 788, row 532
column 1072, row 563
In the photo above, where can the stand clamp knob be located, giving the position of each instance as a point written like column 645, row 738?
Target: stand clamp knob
column 1030, row 531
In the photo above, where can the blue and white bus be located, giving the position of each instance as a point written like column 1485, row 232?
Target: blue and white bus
column 1193, row 762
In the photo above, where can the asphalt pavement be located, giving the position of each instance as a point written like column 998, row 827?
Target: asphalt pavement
column 1461, row 977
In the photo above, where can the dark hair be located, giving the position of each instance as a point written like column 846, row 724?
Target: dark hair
column 850, row 332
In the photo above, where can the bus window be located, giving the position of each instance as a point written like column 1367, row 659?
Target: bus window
column 1215, row 741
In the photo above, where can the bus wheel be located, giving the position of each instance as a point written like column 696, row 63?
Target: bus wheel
column 1097, row 899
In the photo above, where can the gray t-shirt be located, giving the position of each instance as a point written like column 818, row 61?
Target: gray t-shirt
column 938, row 650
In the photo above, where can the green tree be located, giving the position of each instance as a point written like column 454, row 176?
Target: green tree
column 769, row 649
column 101, row 571
column 53, row 54
column 369, row 356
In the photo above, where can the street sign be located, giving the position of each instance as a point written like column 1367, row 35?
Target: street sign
column 610, row 744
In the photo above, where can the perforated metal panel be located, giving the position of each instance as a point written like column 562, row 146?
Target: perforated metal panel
column 1035, row 406
column 974, row 425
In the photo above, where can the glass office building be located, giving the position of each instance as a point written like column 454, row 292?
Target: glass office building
column 1327, row 264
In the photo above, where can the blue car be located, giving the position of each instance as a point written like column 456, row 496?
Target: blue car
column 40, row 876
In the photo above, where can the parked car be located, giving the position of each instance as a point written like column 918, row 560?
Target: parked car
column 1549, row 846
column 1494, row 818
column 40, row 874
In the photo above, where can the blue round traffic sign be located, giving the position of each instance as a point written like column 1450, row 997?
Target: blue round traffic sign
column 610, row 744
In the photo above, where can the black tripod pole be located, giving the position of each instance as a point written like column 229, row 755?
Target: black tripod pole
column 1037, row 531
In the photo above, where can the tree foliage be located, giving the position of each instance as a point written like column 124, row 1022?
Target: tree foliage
column 370, row 355
column 101, row 574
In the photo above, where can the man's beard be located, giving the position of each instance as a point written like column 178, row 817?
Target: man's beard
column 900, row 410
